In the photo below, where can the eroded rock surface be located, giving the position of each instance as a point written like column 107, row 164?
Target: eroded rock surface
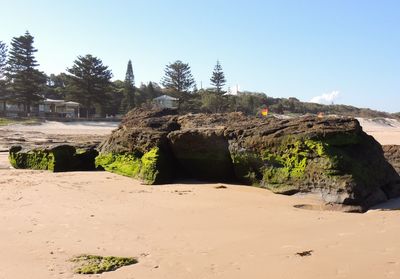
column 329, row 156
column 392, row 154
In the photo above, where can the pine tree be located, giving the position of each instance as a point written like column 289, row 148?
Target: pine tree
column 178, row 77
column 129, row 89
column 3, row 61
column 88, row 81
column 218, row 78
column 24, row 79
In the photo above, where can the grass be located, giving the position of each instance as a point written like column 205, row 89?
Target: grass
column 93, row 264
column 24, row 121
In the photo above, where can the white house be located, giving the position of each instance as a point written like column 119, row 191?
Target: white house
column 59, row 108
column 44, row 108
column 166, row 101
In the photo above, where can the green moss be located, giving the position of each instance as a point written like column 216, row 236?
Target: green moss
column 288, row 161
column 316, row 146
column 36, row 159
column 149, row 166
column 92, row 264
column 152, row 167
column 246, row 166
column 124, row 164
column 57, row 159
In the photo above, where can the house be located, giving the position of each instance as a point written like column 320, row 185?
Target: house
column 58, row 108
column 166, row 101
column 44, row 108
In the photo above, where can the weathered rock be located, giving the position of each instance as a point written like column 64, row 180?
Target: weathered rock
column 55, row 158
column 329, row 156
column 392, row 154
column 139, row 147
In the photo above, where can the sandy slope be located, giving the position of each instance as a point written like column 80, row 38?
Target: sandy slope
column 386, row 131
column 183, row 230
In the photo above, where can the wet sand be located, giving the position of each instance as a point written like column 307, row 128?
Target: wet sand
column 184, row 230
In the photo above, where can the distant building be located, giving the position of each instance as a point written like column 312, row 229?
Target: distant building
column 44, row 108
column 59, row 108
column 166, row 101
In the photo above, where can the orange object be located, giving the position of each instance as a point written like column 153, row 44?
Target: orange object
column 264, row 112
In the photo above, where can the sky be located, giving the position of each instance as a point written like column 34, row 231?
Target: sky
column 340, row 51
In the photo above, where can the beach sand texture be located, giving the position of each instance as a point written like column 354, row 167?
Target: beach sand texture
column 185, row 230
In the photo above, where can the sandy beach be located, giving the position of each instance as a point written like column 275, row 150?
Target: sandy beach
column 185, row 230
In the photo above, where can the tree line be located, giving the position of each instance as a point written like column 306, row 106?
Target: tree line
column 88, row 81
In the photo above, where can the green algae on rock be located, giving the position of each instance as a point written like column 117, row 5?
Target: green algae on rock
column 57, row 159
column 152, row 167
column 330, row 156
column 93, row 264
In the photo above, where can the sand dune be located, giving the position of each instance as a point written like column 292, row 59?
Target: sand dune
column 185, row 230
column 384, row 130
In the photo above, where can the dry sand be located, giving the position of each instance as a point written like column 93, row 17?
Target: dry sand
column 183, row 230
column 385, row 131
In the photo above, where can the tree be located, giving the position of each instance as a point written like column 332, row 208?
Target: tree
column 115, row 95
column 88, row 82
column 3, row 59
column 25, row 81
column 128, row 101
column 55, row 86
column 218, row 78
column 3, row 62
column 212, row 102
column 178, row 77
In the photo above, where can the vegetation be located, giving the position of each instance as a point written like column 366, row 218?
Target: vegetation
column 24, row 80
column 218, row 78
column 178, row 77
column 88, row 81
column 128, row 101
column 3, row 60
column 24, row 121
column 151, row 167
column 93, row 264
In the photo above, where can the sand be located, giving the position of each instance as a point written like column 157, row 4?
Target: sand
column 185, row 230
column 384, row 130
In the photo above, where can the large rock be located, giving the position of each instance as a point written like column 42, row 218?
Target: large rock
column 392, row 154
column 139, row 147
column 329, row 156
column 57, row 158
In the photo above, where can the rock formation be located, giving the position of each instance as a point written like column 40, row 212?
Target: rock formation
column 329, row 156
column 392, row 154
column 54, row 158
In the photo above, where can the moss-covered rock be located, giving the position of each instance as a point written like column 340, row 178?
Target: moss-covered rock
column 151, row 167
column 93, row 264
column 331, row 156
column 57, row 159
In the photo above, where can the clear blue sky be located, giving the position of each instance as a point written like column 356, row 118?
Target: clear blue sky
column 299, row 48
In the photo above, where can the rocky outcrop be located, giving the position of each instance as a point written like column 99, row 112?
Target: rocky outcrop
column 329, row 156
column 392, row 154
column 54, row 158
